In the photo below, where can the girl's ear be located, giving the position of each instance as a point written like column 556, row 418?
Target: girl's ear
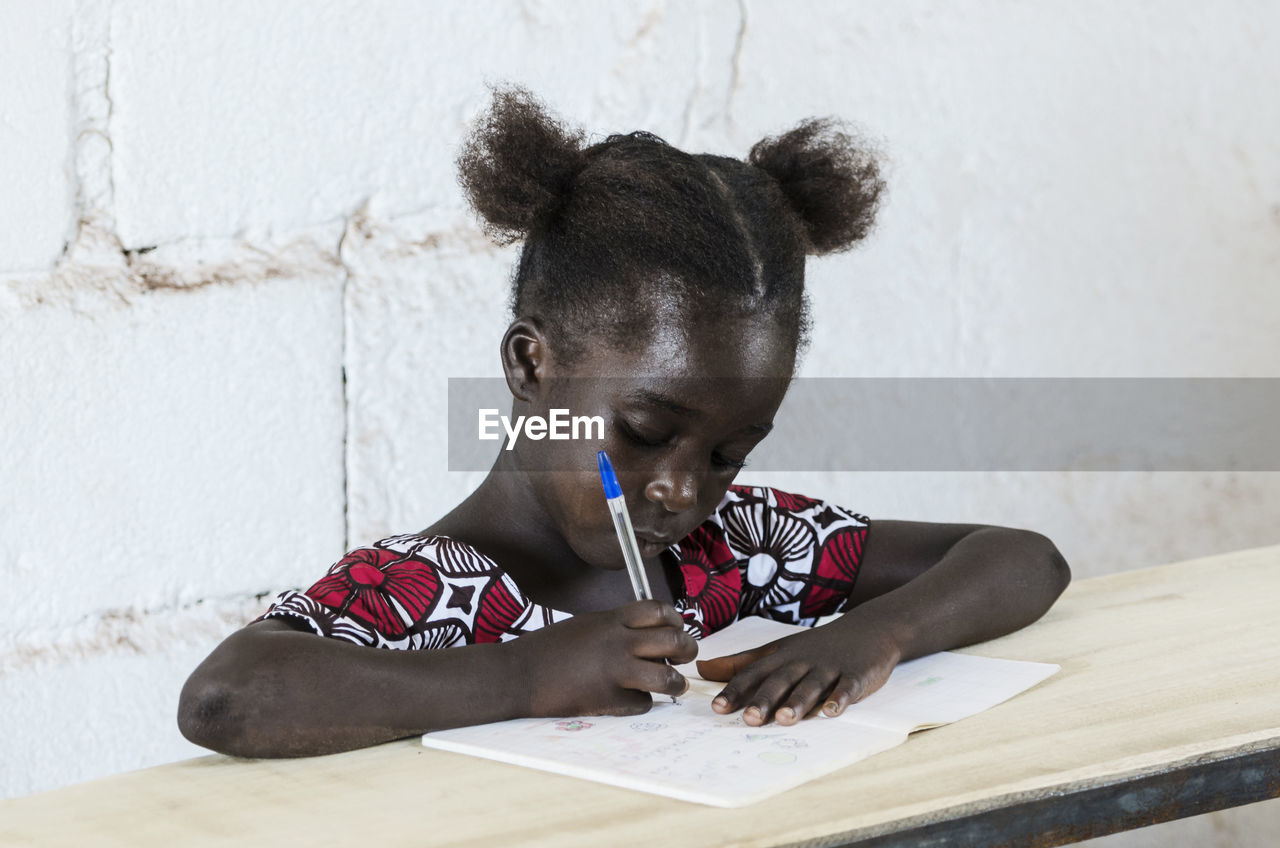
column 526, row 358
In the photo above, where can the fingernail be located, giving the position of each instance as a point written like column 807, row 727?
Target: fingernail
column 832, row 707
column 752, row 712
column 720, row 701
column 786, row 714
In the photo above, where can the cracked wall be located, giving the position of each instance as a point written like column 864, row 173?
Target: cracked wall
column 236, row 273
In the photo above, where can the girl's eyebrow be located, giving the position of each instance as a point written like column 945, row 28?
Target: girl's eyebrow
column 645, row 396
column 660, row 400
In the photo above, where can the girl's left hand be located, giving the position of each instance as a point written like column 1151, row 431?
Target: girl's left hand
column 834, row 665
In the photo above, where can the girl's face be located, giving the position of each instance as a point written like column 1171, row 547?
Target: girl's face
column 681, row 413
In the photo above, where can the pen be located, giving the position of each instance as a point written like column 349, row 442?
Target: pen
column 626, row 534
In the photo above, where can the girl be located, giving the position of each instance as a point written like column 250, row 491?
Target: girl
column 663, row 292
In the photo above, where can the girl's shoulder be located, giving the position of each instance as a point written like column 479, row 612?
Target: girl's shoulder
column 417, row 590
column 742, row 500
column 753, row 520
column 426, row 590
column 765, row 551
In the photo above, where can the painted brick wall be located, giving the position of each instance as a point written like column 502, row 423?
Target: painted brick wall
column 214, row 215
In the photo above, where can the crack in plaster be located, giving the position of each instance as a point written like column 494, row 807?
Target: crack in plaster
column 95, row 240
column 735, row 74
column 184, row 266
column 345, row 355
column 129, row 630
column 411, row 235
column 647, row 26
column 699, row 85
column 735, row 64
column 106, row 121
column 80, row 282
column 366, row 245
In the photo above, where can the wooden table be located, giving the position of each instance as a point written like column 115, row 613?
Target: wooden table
column 1167, row 705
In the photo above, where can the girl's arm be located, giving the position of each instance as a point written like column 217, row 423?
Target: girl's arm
column 942, row 586
column 271, row 691
column 921, row 588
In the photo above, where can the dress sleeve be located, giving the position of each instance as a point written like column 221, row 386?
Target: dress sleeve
column 413, row 593
column 798, row 556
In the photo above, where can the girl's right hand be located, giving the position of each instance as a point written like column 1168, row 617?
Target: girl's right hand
column 605, row 663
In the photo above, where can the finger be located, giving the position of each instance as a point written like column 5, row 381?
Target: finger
column 805, row 696
column 728, row 667
column 847, row 690
column 664, row 643
column 638, row 614
column 740, row 685
column 627, row 703
column 650, row 676
column 771, row 692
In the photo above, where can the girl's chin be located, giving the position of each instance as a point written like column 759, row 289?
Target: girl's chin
column 651, row 550
column 607, row 555
column 611, row 559
column 599, row 548
column 599, row 552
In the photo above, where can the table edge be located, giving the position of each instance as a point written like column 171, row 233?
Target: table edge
column 1059, row 815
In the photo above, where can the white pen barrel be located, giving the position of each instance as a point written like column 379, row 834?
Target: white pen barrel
column 630, row 550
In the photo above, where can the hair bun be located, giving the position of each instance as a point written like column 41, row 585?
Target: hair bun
column 518, row 164
column 831, row 181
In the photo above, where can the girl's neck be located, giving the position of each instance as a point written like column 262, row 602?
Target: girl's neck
column 504, row 521
column 504, row 516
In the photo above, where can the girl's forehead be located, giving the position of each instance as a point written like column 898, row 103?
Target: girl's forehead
column 691, row 374
column 741, row 349
column 718, row 402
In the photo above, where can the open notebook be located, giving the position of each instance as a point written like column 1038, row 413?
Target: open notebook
column 687, row 751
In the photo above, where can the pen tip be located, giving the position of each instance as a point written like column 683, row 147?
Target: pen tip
column 607, row 476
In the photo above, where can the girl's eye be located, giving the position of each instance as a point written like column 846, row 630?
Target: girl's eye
column 639, row 438
column 644, row 440
column 726, row 463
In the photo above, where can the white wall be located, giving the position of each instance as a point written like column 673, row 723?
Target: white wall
column 1076, row 189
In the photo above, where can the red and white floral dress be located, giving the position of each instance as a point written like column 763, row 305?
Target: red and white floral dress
column 762, row 552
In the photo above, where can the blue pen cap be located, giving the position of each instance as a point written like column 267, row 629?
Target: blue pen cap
column 607, row 477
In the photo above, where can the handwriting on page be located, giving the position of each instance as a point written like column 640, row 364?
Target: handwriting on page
column 685, row 748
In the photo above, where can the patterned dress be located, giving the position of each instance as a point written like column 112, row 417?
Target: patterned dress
column 761, row 552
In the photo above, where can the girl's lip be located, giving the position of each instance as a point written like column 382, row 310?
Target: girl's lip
column 656, row 538
column 656, row 545
column 650, row 549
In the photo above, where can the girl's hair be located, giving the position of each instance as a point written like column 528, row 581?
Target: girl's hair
column 615, row 229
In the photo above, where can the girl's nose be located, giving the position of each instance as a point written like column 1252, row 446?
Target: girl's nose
column 677, row 491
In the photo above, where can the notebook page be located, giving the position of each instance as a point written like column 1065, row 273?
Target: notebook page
column 944, row 687
column 921, row 693
column 683, row 750
column 687, row 751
